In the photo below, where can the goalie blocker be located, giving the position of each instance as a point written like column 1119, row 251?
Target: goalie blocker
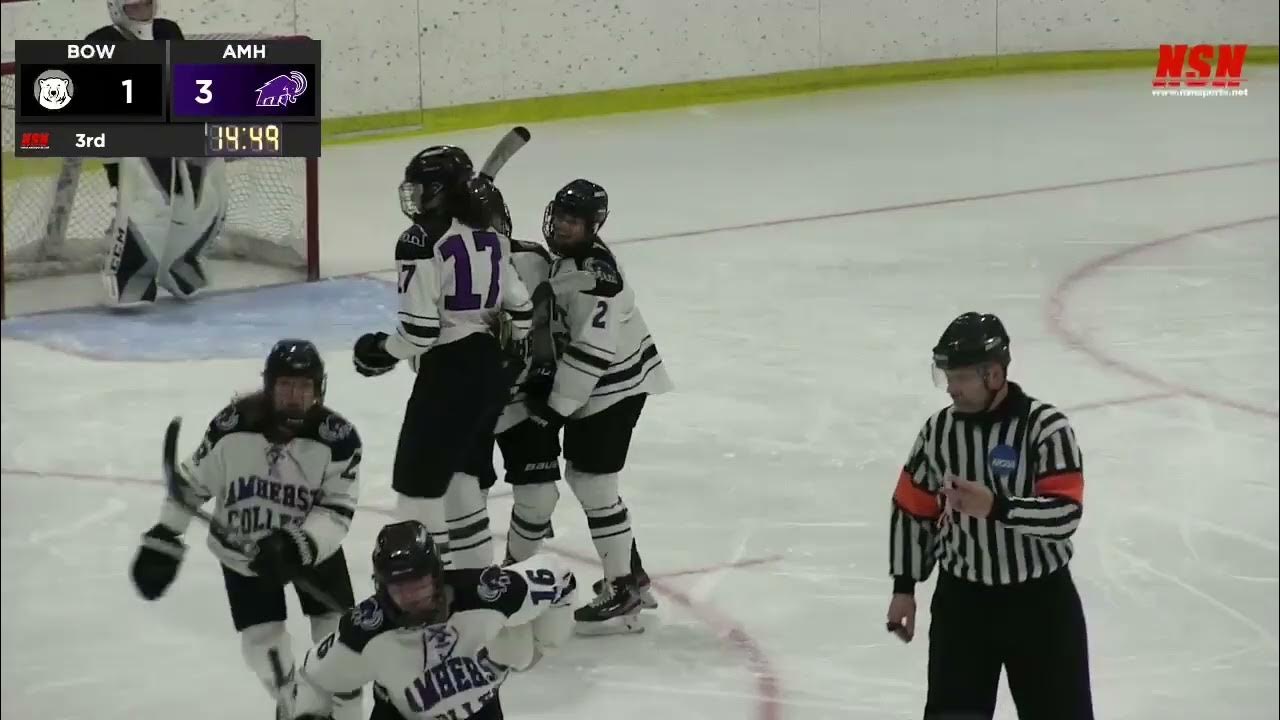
column 168, row 211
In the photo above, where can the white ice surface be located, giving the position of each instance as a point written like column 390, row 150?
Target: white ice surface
column 800, row 351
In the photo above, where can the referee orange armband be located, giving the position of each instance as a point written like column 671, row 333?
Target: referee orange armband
column 1068, row 485
column 914, row 499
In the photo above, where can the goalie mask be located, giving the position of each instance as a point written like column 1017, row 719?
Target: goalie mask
column 294, row 381
column 408, row 575
column 133, row 16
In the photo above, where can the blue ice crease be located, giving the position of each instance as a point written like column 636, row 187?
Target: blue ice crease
column 238, row 324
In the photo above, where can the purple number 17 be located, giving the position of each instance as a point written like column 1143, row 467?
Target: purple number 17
column 455, row 247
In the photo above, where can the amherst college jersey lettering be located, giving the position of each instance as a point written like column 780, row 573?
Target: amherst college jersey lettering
column 453, row 280
column 310, row 481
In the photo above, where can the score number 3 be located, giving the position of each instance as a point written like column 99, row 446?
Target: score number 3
column 205, row 96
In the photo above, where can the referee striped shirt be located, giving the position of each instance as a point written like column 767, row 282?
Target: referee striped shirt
column 1025, row 451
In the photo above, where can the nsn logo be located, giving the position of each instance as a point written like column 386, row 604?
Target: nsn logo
column 1213, row 70
column 34, row 141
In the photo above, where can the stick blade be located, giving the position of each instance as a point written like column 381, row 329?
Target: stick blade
column 509, row 145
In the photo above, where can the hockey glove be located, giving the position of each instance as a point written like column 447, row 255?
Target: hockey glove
column 541, row 414
column 371, row 356
column 538, row 383
column 156, row 564
column 283, row 554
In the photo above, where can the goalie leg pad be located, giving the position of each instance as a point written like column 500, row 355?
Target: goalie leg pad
column 139, row 231
column 607, row 518
column 199, row 213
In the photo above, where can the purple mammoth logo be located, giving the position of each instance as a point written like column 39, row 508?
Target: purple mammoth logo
column 281, row 90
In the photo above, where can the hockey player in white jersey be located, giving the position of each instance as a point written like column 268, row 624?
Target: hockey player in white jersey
column 436, row 643
column 455, row 280
column 283, row 470
column 597, row 370
column 168, row 210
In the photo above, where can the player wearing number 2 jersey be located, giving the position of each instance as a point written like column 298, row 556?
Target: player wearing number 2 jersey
column 455, row 279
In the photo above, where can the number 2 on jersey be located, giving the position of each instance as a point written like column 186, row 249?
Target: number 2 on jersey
column 465, row 275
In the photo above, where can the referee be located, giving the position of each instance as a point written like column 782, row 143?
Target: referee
column 992, row 493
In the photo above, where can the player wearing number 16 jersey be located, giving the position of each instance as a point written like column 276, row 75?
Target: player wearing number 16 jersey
column 438, row 644
column 455, row 279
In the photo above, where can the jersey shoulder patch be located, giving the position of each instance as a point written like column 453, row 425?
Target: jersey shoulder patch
column 492, row 588
column 362, row 623
column 241, row 415
column 528, row 246
column 599, row 261
column 328, row 427
column 419, row 242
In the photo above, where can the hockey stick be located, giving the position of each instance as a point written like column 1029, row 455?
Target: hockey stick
column 509, row 145
column 173, row 485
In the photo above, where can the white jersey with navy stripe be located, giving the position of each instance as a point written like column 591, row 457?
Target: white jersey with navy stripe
column 453, row 280
column 453, row 669
column 604, row 350
column 310, row 481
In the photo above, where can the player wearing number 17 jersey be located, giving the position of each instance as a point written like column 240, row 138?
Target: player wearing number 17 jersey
column 455, row 280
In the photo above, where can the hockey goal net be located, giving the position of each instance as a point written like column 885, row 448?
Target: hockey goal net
column 57, row 213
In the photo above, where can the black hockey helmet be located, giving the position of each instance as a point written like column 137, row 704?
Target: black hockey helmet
column 581, row 199
column 404, row 553
column 972, row 339
column 487, row 207
column 292, row 357
column 432, row 178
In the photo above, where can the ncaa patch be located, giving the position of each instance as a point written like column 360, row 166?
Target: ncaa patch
column 1003, row 461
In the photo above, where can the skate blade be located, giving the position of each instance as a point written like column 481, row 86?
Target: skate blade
column 625, row 625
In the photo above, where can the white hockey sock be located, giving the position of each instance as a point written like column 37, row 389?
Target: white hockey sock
column 258, row 643
column 530, row 518
column 607, row 518
column 429, row 512
column 470, row 540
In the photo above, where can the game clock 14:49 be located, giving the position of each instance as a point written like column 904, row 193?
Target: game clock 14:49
column 244, row 139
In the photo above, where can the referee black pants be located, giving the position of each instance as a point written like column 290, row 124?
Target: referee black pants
column 1035, row 630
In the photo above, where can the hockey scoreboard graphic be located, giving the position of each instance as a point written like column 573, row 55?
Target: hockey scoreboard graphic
column 172, row 98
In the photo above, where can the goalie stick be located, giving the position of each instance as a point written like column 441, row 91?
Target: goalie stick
column 173, row 486
column 509, row 145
